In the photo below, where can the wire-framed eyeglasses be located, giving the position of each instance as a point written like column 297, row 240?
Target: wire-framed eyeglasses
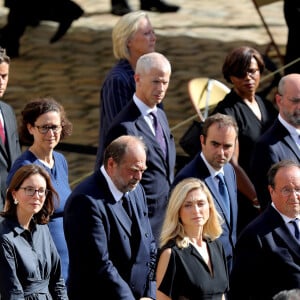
column 30, row 191
column 45, row 128
column 288, row 191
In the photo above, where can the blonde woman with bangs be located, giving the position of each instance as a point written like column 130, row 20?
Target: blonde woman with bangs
column 192, row 263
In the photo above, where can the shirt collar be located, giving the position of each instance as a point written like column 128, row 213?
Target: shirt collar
column 113, row 189
column 143, row 108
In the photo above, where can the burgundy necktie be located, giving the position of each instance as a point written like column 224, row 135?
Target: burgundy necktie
column 159, row 135
column 2, row 132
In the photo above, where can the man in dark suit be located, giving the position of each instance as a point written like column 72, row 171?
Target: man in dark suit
column 281, row 140
column 218, row 139
column 10, row 147
column 152, row 77
column 121, row 7
column 267, row 257
column 111, row 247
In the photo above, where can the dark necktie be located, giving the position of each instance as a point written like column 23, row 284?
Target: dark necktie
column 295, row 228
column 224, row 193
column 126, row 206
column 2, row 132
column 159, row 135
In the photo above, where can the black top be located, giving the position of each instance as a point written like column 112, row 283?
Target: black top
column 250, row 127
column 188, row 275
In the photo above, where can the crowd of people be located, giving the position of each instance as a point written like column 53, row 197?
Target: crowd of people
column 226, row 226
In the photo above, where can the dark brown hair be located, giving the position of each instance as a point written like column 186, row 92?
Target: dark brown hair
column 40, row 106
column 238, row 61
column 10, row 209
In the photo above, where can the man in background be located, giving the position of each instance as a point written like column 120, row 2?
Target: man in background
column 9, row 138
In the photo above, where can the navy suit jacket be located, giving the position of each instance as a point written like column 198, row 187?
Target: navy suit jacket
column 197, row 168
column 274, row 145
column 10, row 151
column 102, row 258
column 267, row 259
column 159, row 175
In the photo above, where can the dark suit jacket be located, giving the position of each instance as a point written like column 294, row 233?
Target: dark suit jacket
column 273, row 146
column 12, row 150
column 267, row 259
column 159, row 175
column 102, row 259
column 197, row 168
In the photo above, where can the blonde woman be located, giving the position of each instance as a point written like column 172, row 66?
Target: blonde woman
column 192, row 264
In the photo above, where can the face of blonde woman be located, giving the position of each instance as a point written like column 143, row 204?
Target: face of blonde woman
column 144, row 40
column 195, row 209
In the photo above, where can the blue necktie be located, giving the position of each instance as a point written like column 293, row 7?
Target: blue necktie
column 224, row 193
column 159, row 135
column 295, row 229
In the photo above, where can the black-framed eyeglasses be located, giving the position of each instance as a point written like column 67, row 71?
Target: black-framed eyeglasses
column 30, row 191
column 45, row 128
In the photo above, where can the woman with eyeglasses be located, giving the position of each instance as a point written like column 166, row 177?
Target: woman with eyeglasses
column 242, row 68
column 29, row 262
column 43, row 125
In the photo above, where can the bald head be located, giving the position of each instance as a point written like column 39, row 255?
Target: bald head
column 288, row 83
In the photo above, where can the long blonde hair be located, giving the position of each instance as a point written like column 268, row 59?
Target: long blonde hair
column 172, row 227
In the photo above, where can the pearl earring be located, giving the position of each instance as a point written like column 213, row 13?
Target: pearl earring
column 16, row 201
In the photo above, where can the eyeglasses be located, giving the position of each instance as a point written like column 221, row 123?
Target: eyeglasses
column 249, row 72
column 30, row 191
column 45, row 128
column 287, row 191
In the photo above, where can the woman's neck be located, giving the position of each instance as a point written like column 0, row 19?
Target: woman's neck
column 46, row 157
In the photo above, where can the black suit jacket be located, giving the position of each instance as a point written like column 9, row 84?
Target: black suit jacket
column 100, row 244
column 10, row 151
column 273, row 146
column 159, row 175
column 267, row 259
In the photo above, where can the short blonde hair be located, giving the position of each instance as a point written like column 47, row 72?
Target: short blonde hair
column 172, row 227
column 123, row 31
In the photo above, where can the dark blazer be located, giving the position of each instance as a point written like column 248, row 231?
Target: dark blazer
column 101, row 249
column 273, row 146
column 159, row 175
column 12, row 150
column 267, row 259
column 197, row 168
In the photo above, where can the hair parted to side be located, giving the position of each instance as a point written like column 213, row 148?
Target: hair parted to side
column 172, row 227
column 38, row 107
column 118, row 148
column 24, row 172
column 238, row 60
column 222, row 120
column 124, row 29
